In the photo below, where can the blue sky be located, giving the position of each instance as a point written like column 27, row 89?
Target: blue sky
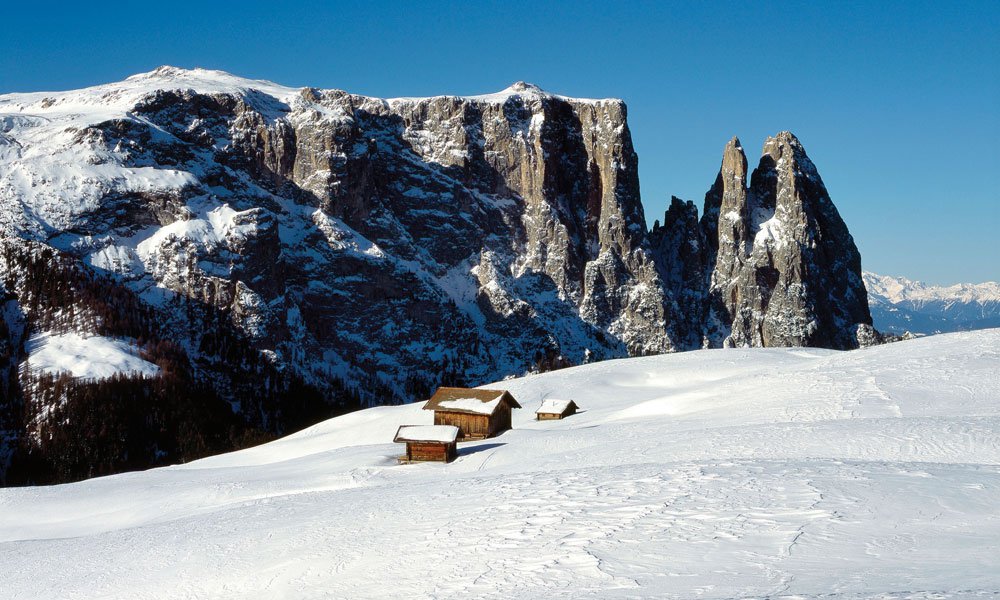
column 898, row 104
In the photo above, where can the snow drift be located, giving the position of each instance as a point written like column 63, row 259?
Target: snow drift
column 718, row 473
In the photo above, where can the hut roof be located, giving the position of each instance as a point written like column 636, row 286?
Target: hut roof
column 554, row 406
column 426, row 433
column 469, row 401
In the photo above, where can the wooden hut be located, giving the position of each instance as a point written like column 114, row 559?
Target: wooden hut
column 478, row 414
column 428, row 442
column 553, row 408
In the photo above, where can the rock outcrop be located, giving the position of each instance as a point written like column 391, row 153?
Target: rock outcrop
column 683, row 257
column 772, row 264
column 786, row 269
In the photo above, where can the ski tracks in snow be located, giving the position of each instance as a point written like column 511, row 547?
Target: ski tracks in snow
column 722, row 474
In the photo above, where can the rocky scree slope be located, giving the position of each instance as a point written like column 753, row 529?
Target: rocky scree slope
column 398, row 244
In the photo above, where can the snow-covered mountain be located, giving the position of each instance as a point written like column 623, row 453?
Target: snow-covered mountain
column 729, row 473
column 899, row 305
column 272, row 243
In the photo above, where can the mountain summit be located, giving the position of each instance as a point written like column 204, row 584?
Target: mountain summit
column 787, row 271
column 777, row 264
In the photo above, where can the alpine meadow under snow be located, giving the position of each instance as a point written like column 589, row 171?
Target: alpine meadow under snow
column 714, row 473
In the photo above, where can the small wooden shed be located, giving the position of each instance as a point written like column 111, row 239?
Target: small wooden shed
column 428, row 442
column 478, row 414
column 554, row 408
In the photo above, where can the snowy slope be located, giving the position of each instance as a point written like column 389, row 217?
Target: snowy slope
column 899, row 304
column 91, row 357
column 715, row 474
column 58, row 170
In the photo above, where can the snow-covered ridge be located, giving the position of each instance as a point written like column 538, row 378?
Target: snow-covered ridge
column 124, row 94
column 899, row 289
column 718, row 473
column 899, row 305
column 56, row 172
column 520, row 89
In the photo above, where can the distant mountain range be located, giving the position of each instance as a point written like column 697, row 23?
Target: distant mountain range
column 899, row 305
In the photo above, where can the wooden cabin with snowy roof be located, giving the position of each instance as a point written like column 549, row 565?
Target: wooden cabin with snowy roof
column 554, row 408
column 478, row 414
column 427, row 442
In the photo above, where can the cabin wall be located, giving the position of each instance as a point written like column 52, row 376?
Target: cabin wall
column 501, row 420
column 430, row 451
column 476, row 426
column 555, row 416
column 468, row 425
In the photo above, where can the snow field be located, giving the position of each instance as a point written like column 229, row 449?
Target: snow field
column 710, row 474
column 82, row 356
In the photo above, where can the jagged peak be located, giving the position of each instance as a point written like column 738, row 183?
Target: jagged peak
column 680, row 204
column 733, row 157
column 729, row 183
column 785, row 146
column 679, row 209
column 782, row 139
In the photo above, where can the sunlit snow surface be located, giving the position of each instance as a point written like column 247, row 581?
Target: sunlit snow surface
column 710, row 474
column 86, row 356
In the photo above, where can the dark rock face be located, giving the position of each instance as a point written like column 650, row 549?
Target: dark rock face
column 684, row 267
column 784, row 269
column 726, row 223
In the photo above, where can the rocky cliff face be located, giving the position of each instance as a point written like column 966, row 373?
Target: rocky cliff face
column 786, row 269
column 399, row 244
column 771, row 264
column 394, row 242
